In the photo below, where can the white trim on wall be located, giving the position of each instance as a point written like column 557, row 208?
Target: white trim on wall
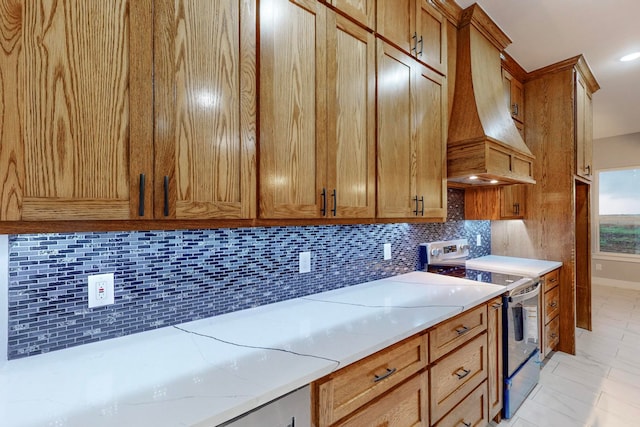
column 603, row 281
column 4, row 297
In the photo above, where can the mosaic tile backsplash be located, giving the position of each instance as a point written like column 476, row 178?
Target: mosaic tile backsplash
column 164, row 278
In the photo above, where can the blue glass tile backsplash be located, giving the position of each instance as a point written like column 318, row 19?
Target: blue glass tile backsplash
column 164, row 278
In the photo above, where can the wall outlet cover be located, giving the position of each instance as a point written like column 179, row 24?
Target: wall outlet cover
column 305, row 262
column 387, row 251
column 100, row 289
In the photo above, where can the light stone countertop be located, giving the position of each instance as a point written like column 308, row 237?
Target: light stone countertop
column 513, row 265
column 212, row 370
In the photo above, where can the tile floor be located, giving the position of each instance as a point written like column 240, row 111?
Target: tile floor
column 600, row 386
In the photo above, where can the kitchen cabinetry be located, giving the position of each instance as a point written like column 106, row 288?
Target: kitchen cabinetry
column 417, row 27
column 411, row 137
column 317, row 114
column 205, row 106
column 494, row 357
column 514, row 95
column 362, row 11
column 495, row 203
column 550, row 310
column 79, row 136
column 76, row 131
column 395, row 387
column 347, row 390
column 560, row 229
column 584, row 129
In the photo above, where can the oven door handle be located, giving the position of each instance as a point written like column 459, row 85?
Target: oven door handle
column 525, row 296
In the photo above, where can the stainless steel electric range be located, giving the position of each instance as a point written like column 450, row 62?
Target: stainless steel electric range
column 520, row 308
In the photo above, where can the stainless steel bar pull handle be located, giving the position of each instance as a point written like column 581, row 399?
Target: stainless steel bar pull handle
column 415, row 199
column 415, row 43
column 166, row 195
column 387, row 374
column 422, row 206
column 554, row 304
column 466, row 424
column 335, row 202
column 323, row 210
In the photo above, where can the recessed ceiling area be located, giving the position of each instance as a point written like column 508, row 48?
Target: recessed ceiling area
column 547, row 31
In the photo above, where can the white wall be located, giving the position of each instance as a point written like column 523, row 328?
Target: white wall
column 615, row 152
column 4, row 296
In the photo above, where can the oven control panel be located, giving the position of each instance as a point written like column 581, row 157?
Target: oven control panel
column 445, row 252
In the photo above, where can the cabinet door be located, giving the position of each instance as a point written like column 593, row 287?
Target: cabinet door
column 513, row 201
column 363, row 11
column 75, row 87
column 292, row 108
column 584, row 129
column 430, row 132
column 350, row 119
column 494, row 355
column 396, row 22
column 205, row 109
column 431, row 29
column 514, row 96
column 396, row 143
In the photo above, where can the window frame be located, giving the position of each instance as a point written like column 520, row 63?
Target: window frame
column 596, row 252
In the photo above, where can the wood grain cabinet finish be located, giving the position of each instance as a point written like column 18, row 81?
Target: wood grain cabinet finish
column 584, row 129
column 514, row 95
column 550, row 316
column 405, row 406
column 411, row 137
column 495, row 203
column 471, row 412
column 130, row 109
column 453, row 333
column 345, row 391
column 76, row 126
column 205, row 103
column 362, row 11
column 454, row 376
column 495, row 381
column 417, row 27
column 317, row 113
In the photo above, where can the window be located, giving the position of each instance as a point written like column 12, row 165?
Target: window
column 619, row 211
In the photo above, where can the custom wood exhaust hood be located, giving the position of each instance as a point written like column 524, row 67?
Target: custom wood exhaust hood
column 484, row 146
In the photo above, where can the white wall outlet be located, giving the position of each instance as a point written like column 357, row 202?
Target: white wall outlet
column 387, row 251
column 305, row 262
column 478, row 240
column 598, row 267
column 101, row 290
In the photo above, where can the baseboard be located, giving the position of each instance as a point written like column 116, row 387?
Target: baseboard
column 624, row 284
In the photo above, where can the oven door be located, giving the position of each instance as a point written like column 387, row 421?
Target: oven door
column 521, row 336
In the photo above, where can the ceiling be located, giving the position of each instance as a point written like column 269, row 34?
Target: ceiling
column 548, row 31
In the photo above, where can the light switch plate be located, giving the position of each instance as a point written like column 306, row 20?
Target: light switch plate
column 100, row 290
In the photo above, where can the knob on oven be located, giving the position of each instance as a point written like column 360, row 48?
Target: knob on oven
column 436, row 252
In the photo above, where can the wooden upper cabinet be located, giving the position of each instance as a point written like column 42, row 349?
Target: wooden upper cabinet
column 514, row 96
column 76, row 130
column 351, row 126
column 411, row 137
column 495, row 203
column 317, row 113
column 205, row 103
column 417, row 27
column 362, row 11
column 584, row 129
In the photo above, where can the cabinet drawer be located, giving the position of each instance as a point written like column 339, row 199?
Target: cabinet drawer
column 472, row 411
column 551, row 304
column 346, row 390
column 406, row 405
column 552, row 335
column 457, row 374
column 551, row 280
column 455, row 332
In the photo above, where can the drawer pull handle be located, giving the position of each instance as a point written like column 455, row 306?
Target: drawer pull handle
column 464, row 373
column 554, row 304
column 462, row 330
column 554, row 280
column 466, row 424
column 387, row 374
column 496, row 306
column 554, row 335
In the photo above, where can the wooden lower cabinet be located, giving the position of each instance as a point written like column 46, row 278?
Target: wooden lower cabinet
column 550, row 320
column 399, row 387
column 472, row 411
column 405, row 405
